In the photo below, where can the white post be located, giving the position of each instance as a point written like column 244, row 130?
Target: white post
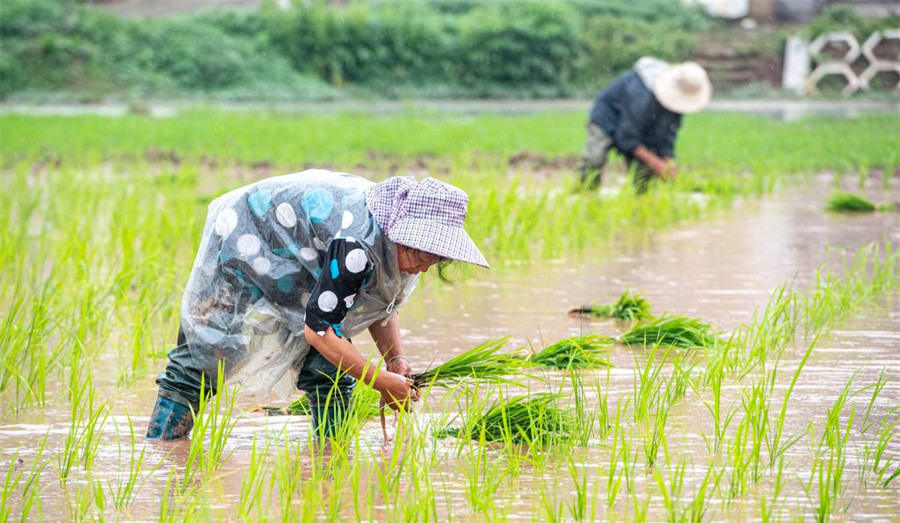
column 796, row 64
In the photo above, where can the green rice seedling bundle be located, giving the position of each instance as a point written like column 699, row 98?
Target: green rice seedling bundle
column 364, row 404
column 534, row 419
column 578, row 352
column 483, row 362
column 630, row 307
column 674, row 331
column 848, row 202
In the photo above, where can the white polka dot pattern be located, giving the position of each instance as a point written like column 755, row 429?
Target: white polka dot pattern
column 226, row 221
column 248, row 245
column 308, row 254
column 328, row 301
column 261, row 265
column 347, row 220
column 286, row 215
column 355, row 261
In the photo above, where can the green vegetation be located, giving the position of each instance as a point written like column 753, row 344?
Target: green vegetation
column 844, row 18
column 629, row 307
column 534, row 420
column 842, row 201
column 484, row 362
column 100, row 218
column 578, row 352
column 365, row 404
column 674, row 331
column 318, row 50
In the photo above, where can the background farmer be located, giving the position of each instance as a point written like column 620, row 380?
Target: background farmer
column 288, row 270
column 639, row 114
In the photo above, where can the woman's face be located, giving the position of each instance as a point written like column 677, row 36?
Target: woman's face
column 414, row 261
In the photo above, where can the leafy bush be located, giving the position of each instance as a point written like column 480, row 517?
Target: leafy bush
column 844, row 18
column 519, row 43
column 51, row 45
column 674, row 15
column 613, row 44
column 358, row 45
column 399, row 48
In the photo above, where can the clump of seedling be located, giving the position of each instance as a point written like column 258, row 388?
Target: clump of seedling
column 534, row 419
column 849, row 202
column 674, row 331
column 483, row 362
column 364, row 404
column 578, row 352
column 630, row 307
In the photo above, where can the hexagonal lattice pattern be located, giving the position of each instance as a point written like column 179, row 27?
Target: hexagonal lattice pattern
column 877, row 68
column 878, row 37
column 833, row 69
column 881, row 63
column 839, row 37
column 840, row 66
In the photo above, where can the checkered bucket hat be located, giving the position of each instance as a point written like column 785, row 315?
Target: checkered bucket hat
column 427, row 215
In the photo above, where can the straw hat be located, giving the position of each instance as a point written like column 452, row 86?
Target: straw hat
column 683, row 88
column 427, row 215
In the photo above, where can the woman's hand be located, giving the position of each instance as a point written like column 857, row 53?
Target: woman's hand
column 396, row 390
column 400, row 365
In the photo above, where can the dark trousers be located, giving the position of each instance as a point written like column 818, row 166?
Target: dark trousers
column 328, row 390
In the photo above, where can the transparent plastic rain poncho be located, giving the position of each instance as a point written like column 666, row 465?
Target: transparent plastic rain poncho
column 262, row 251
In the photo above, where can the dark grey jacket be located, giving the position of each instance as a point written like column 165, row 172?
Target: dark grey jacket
column 629, row 113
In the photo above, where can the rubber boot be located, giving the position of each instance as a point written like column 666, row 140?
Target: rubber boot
column 169, row 420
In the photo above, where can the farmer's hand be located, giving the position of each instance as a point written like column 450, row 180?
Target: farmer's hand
column 400, row 365
column 669, row 170
column 397, row 390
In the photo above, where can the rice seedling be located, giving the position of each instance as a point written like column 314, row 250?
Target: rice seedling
column 213, row 420
column 533, row 420
column 883, row 468
column 578, row 508
column 674, row 331
column 364, row 404
column 124, row 491
column 755, row 422
column 621, row 460
column 647, row 385
column 848, row 202
column 774, row 445
column 698, row 509
column 257, row 483
column 22, row 480
column 629, row 307
column 829, row 461
column 872, row 458
column 483, row 362
column 721, row 420
column 671, row 488
column 82, row 441
column 483, row 479
column 578, row 352
column 655, row 435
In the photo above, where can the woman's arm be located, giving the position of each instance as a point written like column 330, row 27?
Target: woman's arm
column 387, row 339
column 395, row 389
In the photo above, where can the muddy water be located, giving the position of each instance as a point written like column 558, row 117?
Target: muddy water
column 721, row 270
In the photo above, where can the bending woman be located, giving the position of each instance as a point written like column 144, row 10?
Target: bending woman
column 289, row 270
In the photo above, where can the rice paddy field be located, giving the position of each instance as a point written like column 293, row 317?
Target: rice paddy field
column 758, row 380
